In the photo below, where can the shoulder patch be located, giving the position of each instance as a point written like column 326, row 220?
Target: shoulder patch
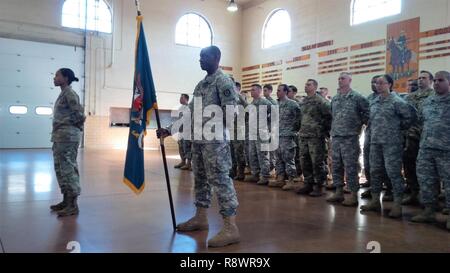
column 227, row 92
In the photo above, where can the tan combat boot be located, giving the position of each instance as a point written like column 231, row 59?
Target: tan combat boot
column 428, row 215
column 290, row 185
column 71, row 207
column 228, row 235
column 337, row 197
column 396, row 211
column 181, row 164
column 61, row 205
column 317, row 191
column 412, row 199
column 251, row 178
column 299, row 179
column 198, row 222
column 263, row 181
column 279, row 183
column 352, row 201
column 187, row 167
column 374, row 204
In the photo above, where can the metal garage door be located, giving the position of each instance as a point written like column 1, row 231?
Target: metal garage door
column 27, row 94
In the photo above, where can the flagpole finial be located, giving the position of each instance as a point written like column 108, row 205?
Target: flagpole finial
column 138, row 7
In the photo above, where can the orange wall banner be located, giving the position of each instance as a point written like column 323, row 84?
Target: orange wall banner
column 402, row 54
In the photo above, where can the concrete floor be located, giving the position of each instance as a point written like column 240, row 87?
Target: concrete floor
column 113, row 219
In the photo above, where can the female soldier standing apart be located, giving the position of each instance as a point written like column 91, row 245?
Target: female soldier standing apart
column 68, row 121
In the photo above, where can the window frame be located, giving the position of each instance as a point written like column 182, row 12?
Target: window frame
column 208, row 23
column 352, row 16
column 87, row 29
column 263, row 35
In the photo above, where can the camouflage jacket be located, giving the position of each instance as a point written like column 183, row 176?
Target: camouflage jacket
column 435, row 118
column 271, row 100
column 289, row 117
column 68, row 117
column 388, row 117
column 349, row 112
column 315, row 120
column 216, row 89
column 255, row 119
column 416, row 99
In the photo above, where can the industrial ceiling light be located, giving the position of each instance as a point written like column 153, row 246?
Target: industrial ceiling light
column 232, row 6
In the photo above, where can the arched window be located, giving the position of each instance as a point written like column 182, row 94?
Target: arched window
column 277, row 29
column 362, row 11
column 99, row 16
column 193, row 30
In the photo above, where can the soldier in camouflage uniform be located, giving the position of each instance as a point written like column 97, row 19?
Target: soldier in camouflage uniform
column 434, row 155
column 289, row 124
column 315, row 124
column 267, row 90
column 292, row 94
column 211, row 158
column 259, row 159
column 350, row 112
column 387, row 197
column 238, row 145
column 389, row 115
column 413, row 138
column 68, row 123
column 184, row 145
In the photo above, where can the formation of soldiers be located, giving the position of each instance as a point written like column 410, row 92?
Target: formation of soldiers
column 318, row 138
column 406, row 144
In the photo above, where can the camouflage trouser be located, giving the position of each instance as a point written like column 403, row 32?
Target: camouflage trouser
column 66, row 167
column 211, row 166
column 247, row 151
column 298, row 165
column 366, row 156
column 386, row 157
column 184, row 147
column 259, row 160
column 238, row 156
column 328, row 161
column 409, row 163
column 312, row 158
column 433, row 166
column 273, row 159
column 286, row 157
column 345, row 156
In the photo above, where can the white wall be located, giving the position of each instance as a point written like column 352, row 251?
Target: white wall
column 109, row 76
column 321, row 20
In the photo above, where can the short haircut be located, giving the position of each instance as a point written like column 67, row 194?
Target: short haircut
column 268, row 86
column 293, row 88
column 285, row 87
column 346, row 74
column 186, row 96
column 446, row 74
column 314, row 82
column 238, row 84
column 376, row 76
column 389, row 79
column 215, row 51
column 429, row 74
column 257, row 86
column 323, row 88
